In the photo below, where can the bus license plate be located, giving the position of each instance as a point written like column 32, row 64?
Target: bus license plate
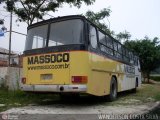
column 46, row 76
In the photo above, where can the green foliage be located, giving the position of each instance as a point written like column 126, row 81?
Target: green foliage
column 157, row 97
column 3, row 28
column 123, row 36
column 149, row 52
column 19, row 98
column 156, row 78
column 97, row 18
column 1, row 21
column 29, row 10
column 10, row 5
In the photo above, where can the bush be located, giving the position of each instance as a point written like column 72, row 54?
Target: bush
column 156, row 78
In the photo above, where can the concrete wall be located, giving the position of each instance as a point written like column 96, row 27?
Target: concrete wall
column 11, row 77
column 3, row 75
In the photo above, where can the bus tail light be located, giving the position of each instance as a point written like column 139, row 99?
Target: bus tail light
column 23, row 80
column 79, row 79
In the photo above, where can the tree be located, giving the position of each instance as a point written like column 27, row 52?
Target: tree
column 29, row 10
column 1, row 21
column 123, row 36
column 98, row 18
column 2, row 28
column 149, row 52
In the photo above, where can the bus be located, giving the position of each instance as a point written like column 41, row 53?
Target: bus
column 70, row 54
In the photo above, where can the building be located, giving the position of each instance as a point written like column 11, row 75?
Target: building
column 15, row 60
column 3, row 56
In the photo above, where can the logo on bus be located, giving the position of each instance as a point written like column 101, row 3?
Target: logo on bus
column 61, row 61
column 51, row 58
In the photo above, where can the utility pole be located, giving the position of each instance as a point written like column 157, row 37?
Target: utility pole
column 10, row 38
column 8, row 80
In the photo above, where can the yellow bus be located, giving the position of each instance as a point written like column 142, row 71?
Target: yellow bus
column 70, row 54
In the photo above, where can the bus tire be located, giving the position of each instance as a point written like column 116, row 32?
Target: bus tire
column 113, row 89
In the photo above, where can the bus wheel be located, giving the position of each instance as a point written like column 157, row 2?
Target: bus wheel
column 113, row 89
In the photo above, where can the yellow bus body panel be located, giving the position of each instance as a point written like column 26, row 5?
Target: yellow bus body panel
column 102, row 70
column 98, row 69
column 35, row 73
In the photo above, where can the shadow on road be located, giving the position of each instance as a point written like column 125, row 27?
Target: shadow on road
column 82, row 100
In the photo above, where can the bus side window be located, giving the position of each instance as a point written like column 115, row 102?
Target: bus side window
column 109, row 42
column 123, row 51
column 115, row 45
column 119, row 48
column 124, row 54
column 136, row 61
column 131, row 57
column 102, row 38
column 119, row 51
column 93, row 37
column 109, row 45
column 127, row 56
column 102, row 42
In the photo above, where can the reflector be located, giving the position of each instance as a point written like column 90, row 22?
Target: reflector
column 79, row 79
column 24, row 80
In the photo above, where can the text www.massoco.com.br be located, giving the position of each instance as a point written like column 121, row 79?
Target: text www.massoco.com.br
column 60, row 66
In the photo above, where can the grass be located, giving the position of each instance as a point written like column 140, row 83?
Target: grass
column 18, row 98
column 147, row 93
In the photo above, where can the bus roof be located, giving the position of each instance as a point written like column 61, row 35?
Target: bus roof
column 63, row 18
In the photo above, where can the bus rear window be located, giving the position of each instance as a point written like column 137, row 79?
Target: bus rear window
column 61, row 33
column 36, row 37
column 66, row 32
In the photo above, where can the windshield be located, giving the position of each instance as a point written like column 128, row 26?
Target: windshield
column 61, row 33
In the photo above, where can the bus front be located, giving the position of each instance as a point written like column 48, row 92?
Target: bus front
column 54, row 58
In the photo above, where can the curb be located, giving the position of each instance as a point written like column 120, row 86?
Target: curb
column 147, row 111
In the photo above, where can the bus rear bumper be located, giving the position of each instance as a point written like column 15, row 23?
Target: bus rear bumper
column 54, row 88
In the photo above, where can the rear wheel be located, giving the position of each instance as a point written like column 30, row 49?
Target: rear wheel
column 113, row 89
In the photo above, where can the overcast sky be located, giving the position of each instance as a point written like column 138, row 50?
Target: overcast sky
column 139, row 17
